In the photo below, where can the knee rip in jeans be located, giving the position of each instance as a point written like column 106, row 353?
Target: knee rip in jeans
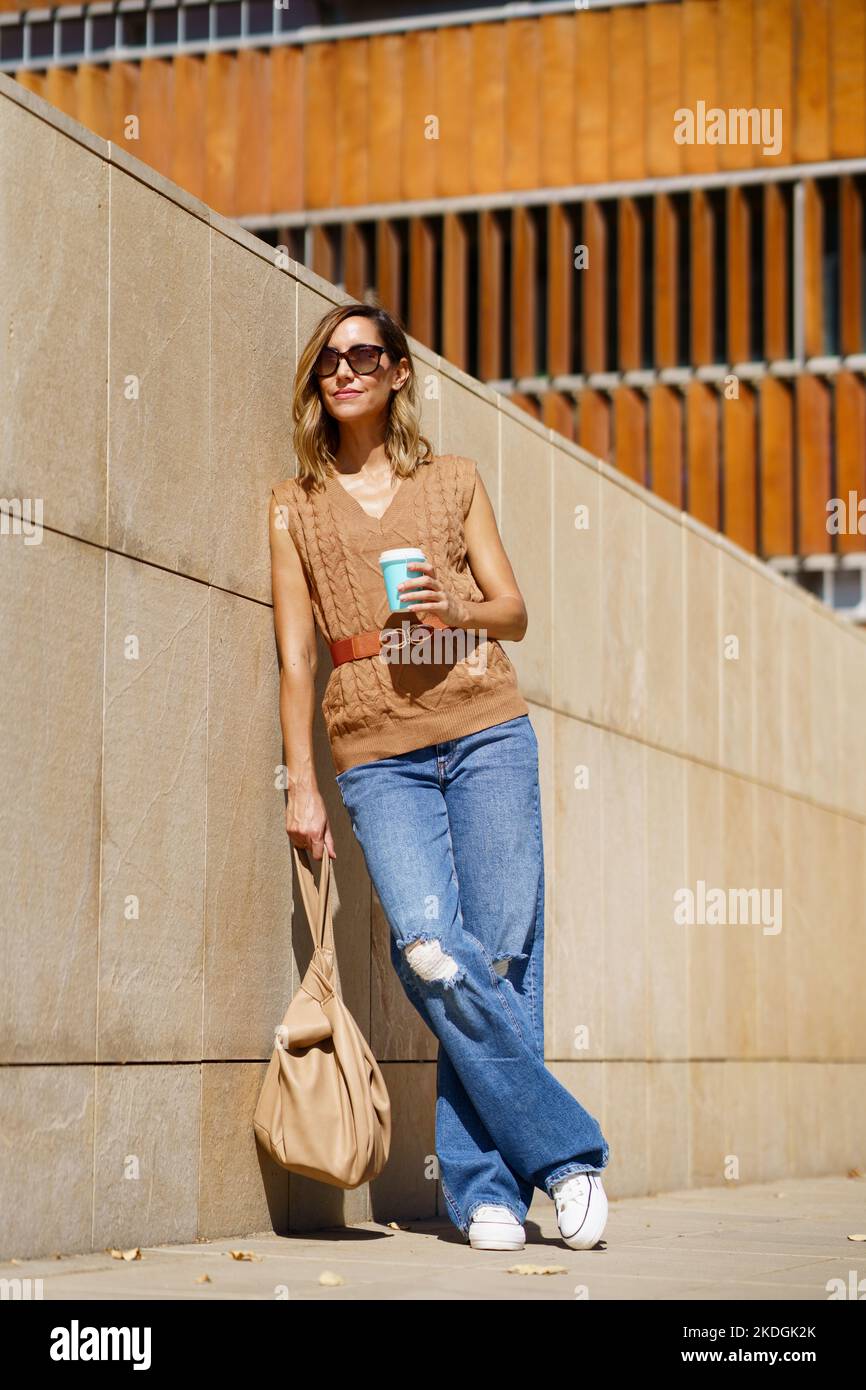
column 431, row 964
column 503, row 963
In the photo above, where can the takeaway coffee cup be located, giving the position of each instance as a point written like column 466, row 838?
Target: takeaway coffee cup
column 395, row 569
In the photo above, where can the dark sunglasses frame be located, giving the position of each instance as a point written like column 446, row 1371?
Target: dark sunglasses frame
column 356, row 347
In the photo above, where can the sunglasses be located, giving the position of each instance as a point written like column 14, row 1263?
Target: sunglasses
column 363, row 358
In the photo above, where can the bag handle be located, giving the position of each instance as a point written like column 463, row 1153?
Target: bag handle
column 317, row 901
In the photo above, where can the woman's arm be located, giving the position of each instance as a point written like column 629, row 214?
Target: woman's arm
column 502, row 613
column 295, row 629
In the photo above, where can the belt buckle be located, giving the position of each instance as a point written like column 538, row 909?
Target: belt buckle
column 396, row 646
column 405, row 631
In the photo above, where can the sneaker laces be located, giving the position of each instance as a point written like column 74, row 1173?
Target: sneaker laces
column 571, row 1189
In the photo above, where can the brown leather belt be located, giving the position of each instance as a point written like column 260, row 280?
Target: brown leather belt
column 369, row 643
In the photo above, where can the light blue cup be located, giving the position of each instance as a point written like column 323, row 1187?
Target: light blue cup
column 395, row 569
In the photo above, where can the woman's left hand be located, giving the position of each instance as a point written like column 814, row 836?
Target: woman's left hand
column 429, row 595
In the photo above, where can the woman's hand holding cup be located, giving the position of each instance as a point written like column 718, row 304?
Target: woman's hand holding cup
column 426, row 593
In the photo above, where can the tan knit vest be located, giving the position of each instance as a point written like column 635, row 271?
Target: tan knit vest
column 374, row 708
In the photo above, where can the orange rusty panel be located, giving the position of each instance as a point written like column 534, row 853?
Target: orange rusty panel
column 287, row 125
column 665, row 290
column 387, row 120
column 523, row 109
column 812, row 396
column 736, row 75
column 739, row 467
column 156, row 105
column 491, row 310
column 594, row 287
column 774, row 71
column 811, row 82
column 666, row 444
column 737, row 209
column 486, row 133
column 851, row 266
column 94, row 101
column 455, row 276
column 558, row 413
column 561, row 287
column 776, row 467
column 221, row 152
column 324, row 260
column 627, row 135
column 31, row 81
column 421, row 322
column 123, row 88
column 420, row 114
column 813, row 235
column 594, row 423
column 664, row 88
column 629, row 284
column 188, row 164
column 356, row 266
column 255, row 137
column 851, row 453
column 389, row 258
column 702, row 453
column 61, row 89
column 454, row 89
column 592, row 81
column 702, row 274
column 847, row 79
column 558, row 96
column 630, row 433
column 351, row 118
column 777, row 213
column 700, row 48
column 319, row 125
column 524, row 292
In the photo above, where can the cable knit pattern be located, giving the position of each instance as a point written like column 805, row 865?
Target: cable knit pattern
column 374, row 708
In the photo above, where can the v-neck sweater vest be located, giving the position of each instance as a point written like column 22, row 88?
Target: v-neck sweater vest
column 374, row 708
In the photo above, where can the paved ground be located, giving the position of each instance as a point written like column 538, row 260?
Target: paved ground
column 780, row 1241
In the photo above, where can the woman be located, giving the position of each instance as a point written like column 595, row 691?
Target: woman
column 437, row 765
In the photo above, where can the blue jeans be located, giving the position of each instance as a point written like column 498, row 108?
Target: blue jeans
column 451, row 836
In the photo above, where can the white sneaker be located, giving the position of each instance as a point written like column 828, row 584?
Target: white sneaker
column 581, row 1209
column 496, row 1228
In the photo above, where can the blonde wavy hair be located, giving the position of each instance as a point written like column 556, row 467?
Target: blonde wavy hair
column 317, row 434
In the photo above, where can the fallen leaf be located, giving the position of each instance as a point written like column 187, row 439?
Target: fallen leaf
column 244, row 1255
column 203, row 1279
column 536, row 1269
column 328, row 1277
column 133, row 1254
column 395, row 1226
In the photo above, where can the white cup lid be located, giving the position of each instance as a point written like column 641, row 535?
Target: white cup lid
column 406, row 553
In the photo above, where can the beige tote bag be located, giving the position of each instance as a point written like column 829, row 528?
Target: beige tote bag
column 324, row 1110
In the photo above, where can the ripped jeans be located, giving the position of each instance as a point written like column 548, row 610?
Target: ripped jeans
column 451, row 836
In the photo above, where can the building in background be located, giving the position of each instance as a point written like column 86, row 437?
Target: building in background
column 643, row 221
